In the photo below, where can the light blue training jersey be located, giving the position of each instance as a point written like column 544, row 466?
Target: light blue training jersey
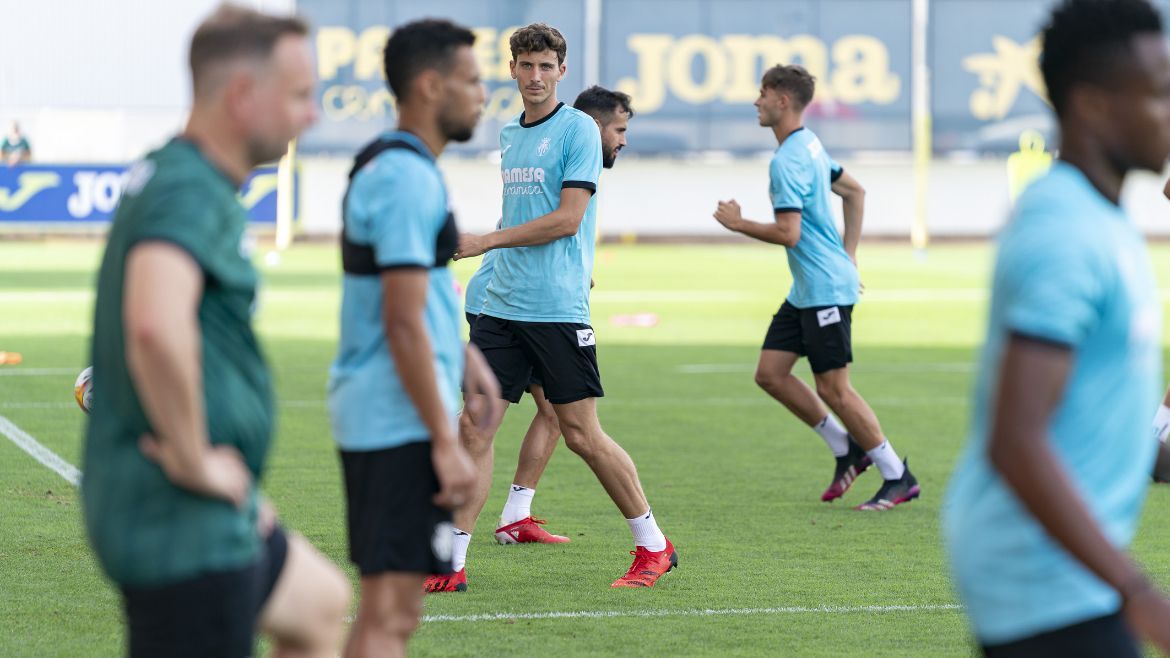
column 1072, row 269
column 549, row 282
column 801, row 175
column 476, row 291
column 397, row 205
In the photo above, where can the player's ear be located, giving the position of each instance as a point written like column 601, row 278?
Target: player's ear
column 238, row 91
column 562, row 69
column 429, row 84
column 512, row 68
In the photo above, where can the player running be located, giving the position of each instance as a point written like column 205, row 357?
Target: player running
column 816, row 318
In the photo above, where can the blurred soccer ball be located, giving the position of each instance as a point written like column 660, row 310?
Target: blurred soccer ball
column 83, row 389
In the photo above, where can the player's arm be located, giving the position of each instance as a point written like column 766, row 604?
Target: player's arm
column 163, row 284
column 785, row 230
column 404, row 299
column 853, row 208
column 1032, row 377
column 563, row 222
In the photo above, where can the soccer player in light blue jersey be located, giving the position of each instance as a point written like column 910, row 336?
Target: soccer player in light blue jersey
column 535, row 316
column 1048, row 492
column 394, row 386
column 816, row 318
column 612, row 110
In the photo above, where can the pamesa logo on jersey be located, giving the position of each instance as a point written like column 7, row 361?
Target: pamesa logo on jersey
column 523, row 175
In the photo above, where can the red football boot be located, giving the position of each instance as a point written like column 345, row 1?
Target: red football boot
column 648, row 566
column 447, row 582
column 527, row 531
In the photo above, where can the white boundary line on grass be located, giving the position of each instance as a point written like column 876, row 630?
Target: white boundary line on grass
column 50, row 459
column 46, row 457
column 35, row 372
column 708, row 612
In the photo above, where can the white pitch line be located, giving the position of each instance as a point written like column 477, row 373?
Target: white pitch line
column 865, row 368
column 36, row 372
column 708, row 612
column 39, row 452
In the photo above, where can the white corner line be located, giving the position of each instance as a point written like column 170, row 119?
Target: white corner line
column 46, row 457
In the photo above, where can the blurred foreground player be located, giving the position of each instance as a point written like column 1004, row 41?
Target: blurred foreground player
column 394, row 387
column 1048, row 492
column 177, row 440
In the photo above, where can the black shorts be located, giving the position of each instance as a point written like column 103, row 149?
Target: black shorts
column 213, row 614
column 563, row 355
column 823, row 334
column 1104, row 637
column 533, row 379
column 393, row 524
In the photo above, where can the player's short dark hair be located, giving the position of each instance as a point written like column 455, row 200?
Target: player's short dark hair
column 537, row 38
column 234, row 32
column 419, row 46
column 601, row 103
column 1087, row 41
column 792, row 78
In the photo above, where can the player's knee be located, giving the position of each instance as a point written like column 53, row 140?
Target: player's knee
column 471, row 436
column 580, row 442
column 402, row 622
column 768, row 380
column 833, row 393
column 548, row 416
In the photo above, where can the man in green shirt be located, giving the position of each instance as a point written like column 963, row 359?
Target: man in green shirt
column 14, row 148
column 178, row 438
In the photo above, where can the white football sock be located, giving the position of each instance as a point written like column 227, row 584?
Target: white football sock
column 519, row 505
column 1162, row 423
column 459, row 549
column 887, row 461
column 646, row 532
column 834, row 435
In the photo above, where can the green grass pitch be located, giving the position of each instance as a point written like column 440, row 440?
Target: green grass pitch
column 733, row 478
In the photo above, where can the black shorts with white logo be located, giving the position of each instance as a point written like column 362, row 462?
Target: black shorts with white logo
column 822, row 333
column 393, row 523
column 533, row 380
column 562, row 355
column 213, row 614
column 1103, row 637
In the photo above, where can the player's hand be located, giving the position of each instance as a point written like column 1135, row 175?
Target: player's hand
column 471, row 245
column 860, row 283
column 728, row 214
column 455, row 470
column 482, row 389
column 219, row 472
column 265, row 517
column 1147, row 613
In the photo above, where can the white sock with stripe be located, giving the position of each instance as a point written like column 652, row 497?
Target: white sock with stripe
column 834, row 435
column 519, row 505
column 459, row 549
column 887, row 461
column 646, row 532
